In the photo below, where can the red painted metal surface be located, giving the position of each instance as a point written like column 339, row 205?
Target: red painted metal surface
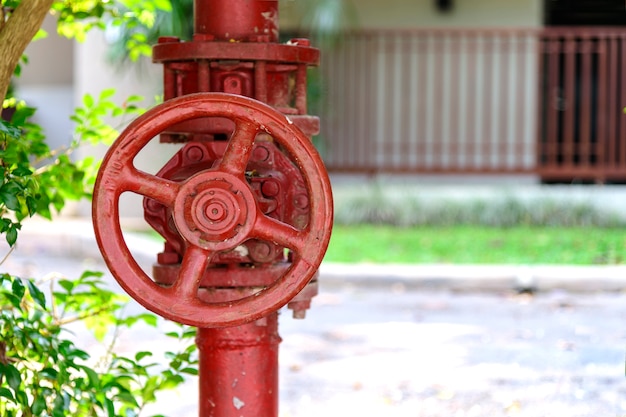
column 236, row 20
column 214, row 210
column 239, row 369
column 245, row 206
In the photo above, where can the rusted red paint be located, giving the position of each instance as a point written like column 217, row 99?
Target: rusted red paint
column 239, row 369
column 245, row 206
column 179, row 302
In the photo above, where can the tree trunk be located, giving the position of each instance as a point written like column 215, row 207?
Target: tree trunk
column 15, row 35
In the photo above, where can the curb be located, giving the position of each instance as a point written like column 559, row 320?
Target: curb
column 75, row 238
column 479, row 278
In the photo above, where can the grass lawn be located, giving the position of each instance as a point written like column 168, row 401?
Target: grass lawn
column 479, row 245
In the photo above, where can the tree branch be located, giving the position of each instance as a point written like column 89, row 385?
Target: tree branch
column 17, row 32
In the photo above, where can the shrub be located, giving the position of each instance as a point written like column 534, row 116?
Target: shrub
column 407, row 210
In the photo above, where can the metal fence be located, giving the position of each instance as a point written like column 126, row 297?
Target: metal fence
column 476, row 101
column 583, row 93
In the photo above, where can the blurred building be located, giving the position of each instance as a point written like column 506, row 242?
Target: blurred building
column 479, row 87
column 486, row 87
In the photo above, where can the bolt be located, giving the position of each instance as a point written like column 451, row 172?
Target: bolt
column 299, row 308
column 153, row 206
column 270, row 188
column 194, row 154
column 260, row 251
column 261, row 153
column 301, row 201
column 167, row 258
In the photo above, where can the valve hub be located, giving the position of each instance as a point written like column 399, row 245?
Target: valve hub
column 215, row 211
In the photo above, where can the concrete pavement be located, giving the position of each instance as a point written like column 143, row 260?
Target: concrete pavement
column 428, row 340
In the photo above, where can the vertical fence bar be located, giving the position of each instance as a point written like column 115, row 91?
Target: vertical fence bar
column 351, row 96
column 423, row 107
column 371, row 77
column 436, row 100
column 462, row 128
column 552, row 101
column 585, row 105
column 613, row 88
column 444, row 112
column 504, row 97
column 396, row 98
column 473, row 109
column 454, row 108
column 511, row 84
column 413, row 110
column 532, row 119
column 361, row 133
column 601, row 108
column 489, row 87
column 569, row 102
column 622, row 101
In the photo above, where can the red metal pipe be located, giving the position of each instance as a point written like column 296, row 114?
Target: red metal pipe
column 237, row 20
column 239, row 369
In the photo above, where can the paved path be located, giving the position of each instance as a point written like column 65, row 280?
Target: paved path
column 396, row 343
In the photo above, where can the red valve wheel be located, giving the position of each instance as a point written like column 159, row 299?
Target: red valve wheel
column 214, row 210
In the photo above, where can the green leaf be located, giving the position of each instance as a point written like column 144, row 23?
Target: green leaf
column 11, row 235
column 91, row 274
column 164, row 5
column 18, row 288
column 36, row 293
column 6, row 393
column 9, row 129
column 22, row 171
column 189, row 370
column 49, row 373
column 10, row 200
column 88, row 100
column 22, row 398
column 39, row 405
column 66, row 284
column 94, row 379
column 31, row 204
column 109, row 407
column 134, row 98
column 172, row 382
column 13, row 377
column 140, row 355
column 41, row 34
column 128, row 398
column 107, row 93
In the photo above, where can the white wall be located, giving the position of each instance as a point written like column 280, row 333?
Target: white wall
column 377, row 14
column 46, row 83
column 468, row 13
column 93, row 73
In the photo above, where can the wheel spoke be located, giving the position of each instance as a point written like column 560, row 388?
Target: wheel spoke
column 195, row 262
column 239, row 148
column 283, row 234
column 160, row 189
